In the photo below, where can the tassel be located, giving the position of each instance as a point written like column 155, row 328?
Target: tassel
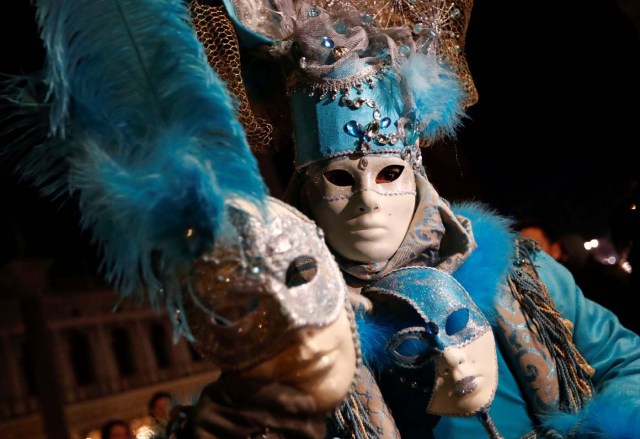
column 574, row 372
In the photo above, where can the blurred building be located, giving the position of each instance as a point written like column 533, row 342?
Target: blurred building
column 69, row 362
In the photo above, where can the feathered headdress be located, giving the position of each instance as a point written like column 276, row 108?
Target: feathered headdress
column 134, row 122
column 366, row 77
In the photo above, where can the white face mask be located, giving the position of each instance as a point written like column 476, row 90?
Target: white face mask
column 364, row 205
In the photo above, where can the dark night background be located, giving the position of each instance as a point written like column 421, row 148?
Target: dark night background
column 553, row 135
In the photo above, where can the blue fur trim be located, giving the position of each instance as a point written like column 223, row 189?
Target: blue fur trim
column 488, row 265
column 608, row 415
column 437, row 93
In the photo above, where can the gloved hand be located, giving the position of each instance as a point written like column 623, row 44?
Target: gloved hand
column 236, row 407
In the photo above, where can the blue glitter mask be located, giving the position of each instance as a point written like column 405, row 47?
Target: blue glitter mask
column 451, row 318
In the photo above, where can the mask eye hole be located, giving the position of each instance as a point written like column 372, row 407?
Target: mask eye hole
column 389, row 173
column 339, row 177
column 457, row 321
column 413, row 347
column 301, row 270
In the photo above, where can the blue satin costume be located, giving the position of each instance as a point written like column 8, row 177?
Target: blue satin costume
column 611, row 349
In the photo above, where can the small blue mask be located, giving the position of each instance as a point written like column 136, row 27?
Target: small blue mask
column 450, row 316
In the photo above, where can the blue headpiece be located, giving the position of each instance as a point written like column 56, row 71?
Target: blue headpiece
column 366, row 121
column 364, row 80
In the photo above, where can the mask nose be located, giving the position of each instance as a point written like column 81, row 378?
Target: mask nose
column 451, row 363
column 368, row 201
column 308, row 344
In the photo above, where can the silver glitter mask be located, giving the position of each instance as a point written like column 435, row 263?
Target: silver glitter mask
column 248, row 298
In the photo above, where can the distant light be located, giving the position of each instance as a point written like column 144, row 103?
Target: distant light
column 594, row 243
column 610, row 260
column 633, row 207
column 626, row 266
column 144, row 432
column 189, row 233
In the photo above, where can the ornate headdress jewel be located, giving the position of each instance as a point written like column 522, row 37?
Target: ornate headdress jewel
column 371, row 131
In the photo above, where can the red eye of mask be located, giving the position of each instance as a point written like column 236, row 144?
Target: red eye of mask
column 389, row 174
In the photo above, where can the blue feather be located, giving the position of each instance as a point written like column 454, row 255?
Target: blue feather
column 374, row 334
column 438, row 95
column 145, row 132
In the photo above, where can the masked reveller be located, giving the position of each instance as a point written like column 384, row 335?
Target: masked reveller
column 467, row 330
column 462, row 329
